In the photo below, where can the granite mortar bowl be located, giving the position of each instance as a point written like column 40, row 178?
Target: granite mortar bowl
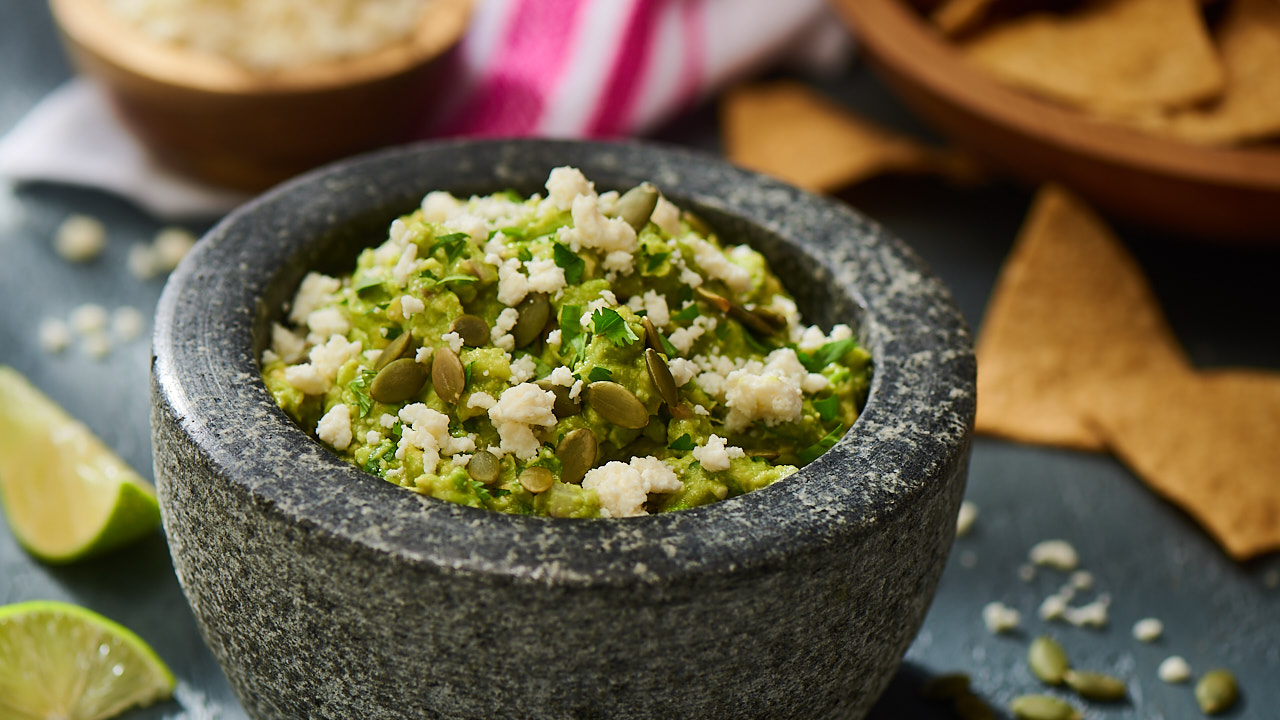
column 325, row 592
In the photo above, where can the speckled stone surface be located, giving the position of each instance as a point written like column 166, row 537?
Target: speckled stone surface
column 325, row 592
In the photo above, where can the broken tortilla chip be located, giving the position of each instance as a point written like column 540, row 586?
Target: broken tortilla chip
column 1112, row 58
column 786, row 130
column 1206, row 441
column 1249, row 109
column 1071, row 304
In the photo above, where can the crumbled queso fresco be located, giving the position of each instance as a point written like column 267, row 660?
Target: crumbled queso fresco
column 581, row 354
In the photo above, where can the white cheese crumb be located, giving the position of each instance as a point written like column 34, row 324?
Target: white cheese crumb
column 127, row 323
column 1000, row 618
column 565, row 184
column 520, row 408
column 576, row 390
column 373, row 437
column 438, row 206
column 715, row 454
column 410, row 305
column 553, row 338
column 666, row 216
column 54, row 335
column 591, row 229
column 142, row 261
column 513, row 285
column 286, row 344
column 770, row 393
column 335, row 427
column 453, row 340
column 545, row 276
column 80, row 238
column 327, row 322
column 387, row 420
column 97, row 344
column 170, row 245
column 655, row 306
column 1053, row 607
column 682, row 370
column 966, row 517
column 699, row 410
column 406, row 265
column 461, row 460
column 88, row 318
column 623, row 488
column 422, row 355
column 1092, row 615
column 1057, row 554
column 523, row 369
column 714, row 263
column 1081, row 580
column 1174, row 669
column 481, row 400
column 1148, row 630
column 506, row 342
column 562, row 376
column 313, row 292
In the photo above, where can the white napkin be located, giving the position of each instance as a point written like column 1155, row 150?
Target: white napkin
column 563, row 68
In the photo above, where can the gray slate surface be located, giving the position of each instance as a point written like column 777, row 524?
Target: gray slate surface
column 1148, row 554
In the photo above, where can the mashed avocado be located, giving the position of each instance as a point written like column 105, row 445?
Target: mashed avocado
column 574, row 355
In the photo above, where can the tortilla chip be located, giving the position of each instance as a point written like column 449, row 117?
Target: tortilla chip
column 1206, row 441
column 1070, row 305
column 1249, row 40
column 1111, row 57
column 786, row 130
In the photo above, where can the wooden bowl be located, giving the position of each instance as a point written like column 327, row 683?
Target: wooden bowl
column 1212, row 193
column 217, row 121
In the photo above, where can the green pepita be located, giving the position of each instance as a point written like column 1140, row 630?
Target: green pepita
column 651, row 336
column 636, row 205
column 401, row 347
column 661, row 376
column 534, row 311
column 577, row 453
column 1095, row 685
column 537, row 479
column 617, row 405
column 721, row 303
column 564, row 406
column 1043, row 707
column 399, row 381
column 484, row 467
column 1217, row 691
column 448, row 375
column 473, row 330
column 1048, row 660
column 750, row 320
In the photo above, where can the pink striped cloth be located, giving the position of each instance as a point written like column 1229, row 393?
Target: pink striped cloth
column 560, row 68
column 604, row 68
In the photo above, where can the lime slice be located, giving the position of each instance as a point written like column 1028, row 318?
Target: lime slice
column 67, row 495
column 62, row 662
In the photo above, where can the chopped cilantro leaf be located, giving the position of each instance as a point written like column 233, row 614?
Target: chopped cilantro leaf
column 667, row 347
column 464, row 279
column 467, row 373
column 656, row 260
column 827, row 408
column 683, row 443
column 687, row 314
column 599, row 374
column 607, row 322
column 392, row 332
column 829, row 440
column 478, row 488
column 573, row 341
column 360, row 388
column 368, row 282
column 524, row 254
column 570, row 262
column 453, row 244
column 825, row 355
column 685, row 294
column 761, row 347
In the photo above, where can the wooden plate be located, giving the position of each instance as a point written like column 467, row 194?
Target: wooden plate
column 1211, row 193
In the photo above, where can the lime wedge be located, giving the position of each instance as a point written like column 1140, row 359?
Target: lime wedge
column 66, row 494
column 62, row 662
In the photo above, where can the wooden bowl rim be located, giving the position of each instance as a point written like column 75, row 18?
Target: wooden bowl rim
column 91, row 25
column 902, row 40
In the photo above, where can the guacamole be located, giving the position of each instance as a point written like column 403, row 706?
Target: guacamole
column 581, row 354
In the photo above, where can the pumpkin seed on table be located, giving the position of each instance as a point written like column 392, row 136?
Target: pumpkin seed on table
column 448, row 375
column 401, row 347
column 484, row 467
column 636, row 205
column 1217, row 691
column 537, row 479
column 398, row 381
column 1048, row 660
column 1095, row 685
column 617, row 405
column 577, row 453
column 473, row 330
column 1043, row 707
column 661, row 376
column 534, row 311
column 564, row 406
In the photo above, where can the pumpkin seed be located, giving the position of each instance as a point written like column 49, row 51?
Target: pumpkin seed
column 1043, row 707
column 636, row 205
column 1048, row 660
column 448, row 375
column 763, row 454
column 484, row 467
column 534, row 311
column 661, row 376
column 577, row 453
column 537, row 479
column 617, row 405
column 1095, row 685
column 971, row 707
column 651, row 336
column 751, row 321
column 771, row 316
column 398, row 381
column 722, row 303
column 946, row 687
column 473, row 330
column 402, row 346
column 564, row 406
column 1217, row 691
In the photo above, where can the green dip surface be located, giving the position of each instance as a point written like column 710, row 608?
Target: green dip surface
column 573, row 355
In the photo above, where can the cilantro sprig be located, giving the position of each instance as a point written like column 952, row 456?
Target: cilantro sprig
column 569, row 261
column 683, row 443
column 360, row 388
column 453, row 245
column 825, row 355
column 608, row 323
